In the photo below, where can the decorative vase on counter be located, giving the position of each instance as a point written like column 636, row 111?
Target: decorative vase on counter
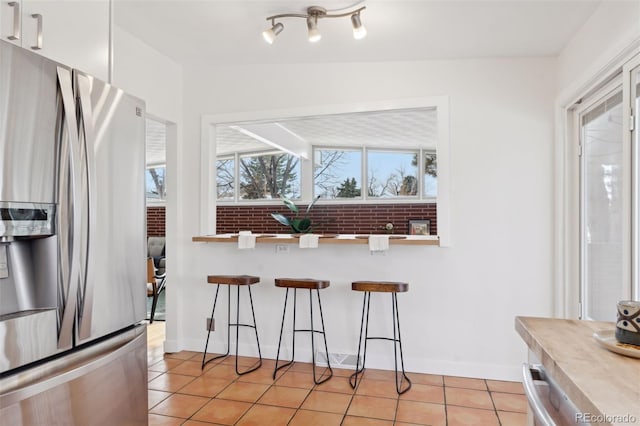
column 628, row 325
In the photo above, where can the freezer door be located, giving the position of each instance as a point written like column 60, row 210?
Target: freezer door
column 30, row 124
column 113, row 253
column 104, row 384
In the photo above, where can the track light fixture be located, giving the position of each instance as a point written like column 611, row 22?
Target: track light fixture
column 314, row 13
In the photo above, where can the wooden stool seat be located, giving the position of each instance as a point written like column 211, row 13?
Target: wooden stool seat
column 380, row 286
column 307, row 283
column 232, row 279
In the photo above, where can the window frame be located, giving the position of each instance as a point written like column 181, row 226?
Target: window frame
column 567, row 234
column 588, row 105
column 208, row 193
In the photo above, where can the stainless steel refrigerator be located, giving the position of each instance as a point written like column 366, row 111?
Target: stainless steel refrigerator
column 72, row 247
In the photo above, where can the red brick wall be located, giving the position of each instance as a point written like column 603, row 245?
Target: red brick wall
column 335, row 218
column 155, row 222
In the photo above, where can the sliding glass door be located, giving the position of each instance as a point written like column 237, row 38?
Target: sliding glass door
column 602, row 205
column 609, row 184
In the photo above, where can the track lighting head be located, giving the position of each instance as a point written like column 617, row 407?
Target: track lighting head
column 314, row 13
column 359, row 31
column 271, row 33
column 312, row 26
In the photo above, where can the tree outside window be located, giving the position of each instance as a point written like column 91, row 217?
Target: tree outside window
column 155, row 183
column 392, row 174
column 225, row 178
column 269, row 176
column 336, row 173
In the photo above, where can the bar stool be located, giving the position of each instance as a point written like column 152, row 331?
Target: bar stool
column 380, row 287
column 238, row 281
column 308, row 284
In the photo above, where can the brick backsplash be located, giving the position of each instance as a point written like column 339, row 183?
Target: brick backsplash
column 334, row 218
column 155, row 222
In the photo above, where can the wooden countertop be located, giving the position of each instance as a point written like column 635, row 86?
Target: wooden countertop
column 598, row 381
column 417, row 240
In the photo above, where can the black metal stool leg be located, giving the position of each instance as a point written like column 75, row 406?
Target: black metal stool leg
column 293, row 333
column 313, row 337
column 204, row 356
column 353, row 379
column 154, row 303
column 255, row 329
column 396, row 324
column 326, row 348
column 237, row 325
column 284, row 312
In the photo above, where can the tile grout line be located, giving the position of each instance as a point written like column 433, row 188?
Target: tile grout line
column 314, row 387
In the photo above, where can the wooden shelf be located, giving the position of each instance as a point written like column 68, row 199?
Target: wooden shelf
column 406, row 240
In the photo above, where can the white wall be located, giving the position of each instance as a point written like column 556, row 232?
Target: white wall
column 144, row 72
column 459, row 315
column 148, row 74
column 609, row 31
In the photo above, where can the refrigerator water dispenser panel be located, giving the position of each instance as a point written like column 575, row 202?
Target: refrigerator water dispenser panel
column 26, row 219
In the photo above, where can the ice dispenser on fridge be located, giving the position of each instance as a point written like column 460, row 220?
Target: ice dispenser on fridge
column 28, row 280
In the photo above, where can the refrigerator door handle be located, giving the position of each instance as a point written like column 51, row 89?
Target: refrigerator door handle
column 69, row 228
column 15, row 35
column 89, row 172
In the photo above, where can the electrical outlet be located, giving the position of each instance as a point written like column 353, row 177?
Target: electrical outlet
column 211, row 324
column 282, row 248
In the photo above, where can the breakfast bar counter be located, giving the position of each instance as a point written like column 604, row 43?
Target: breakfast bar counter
column 421, row 240
column 601, row 383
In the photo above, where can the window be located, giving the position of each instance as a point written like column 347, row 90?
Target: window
column 338, row 152
column 602, row 211
column 156, row 187
column 269, row 176
column 607, row 192
column 392, row 174
column 430, row 180
column 225, row 178
column 155, row 176
column 337, row 173
column 261, row 176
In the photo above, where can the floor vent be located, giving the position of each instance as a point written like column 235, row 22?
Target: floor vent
column 337, row 360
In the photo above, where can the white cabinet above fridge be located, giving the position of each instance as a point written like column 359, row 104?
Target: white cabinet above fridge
column 74, row 32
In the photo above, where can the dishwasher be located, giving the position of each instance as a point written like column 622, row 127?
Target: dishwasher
column 550, row 406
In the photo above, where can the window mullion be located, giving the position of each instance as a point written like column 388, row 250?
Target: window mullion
column 364, row 175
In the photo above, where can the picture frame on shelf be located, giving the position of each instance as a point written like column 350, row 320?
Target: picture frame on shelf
column 419, row 227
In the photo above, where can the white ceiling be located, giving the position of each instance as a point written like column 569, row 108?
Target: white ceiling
column 414, row 128
column 229, row 32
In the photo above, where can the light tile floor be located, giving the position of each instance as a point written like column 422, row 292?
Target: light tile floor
column 181, row 394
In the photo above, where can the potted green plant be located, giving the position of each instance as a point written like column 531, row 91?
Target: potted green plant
column 299, row 225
